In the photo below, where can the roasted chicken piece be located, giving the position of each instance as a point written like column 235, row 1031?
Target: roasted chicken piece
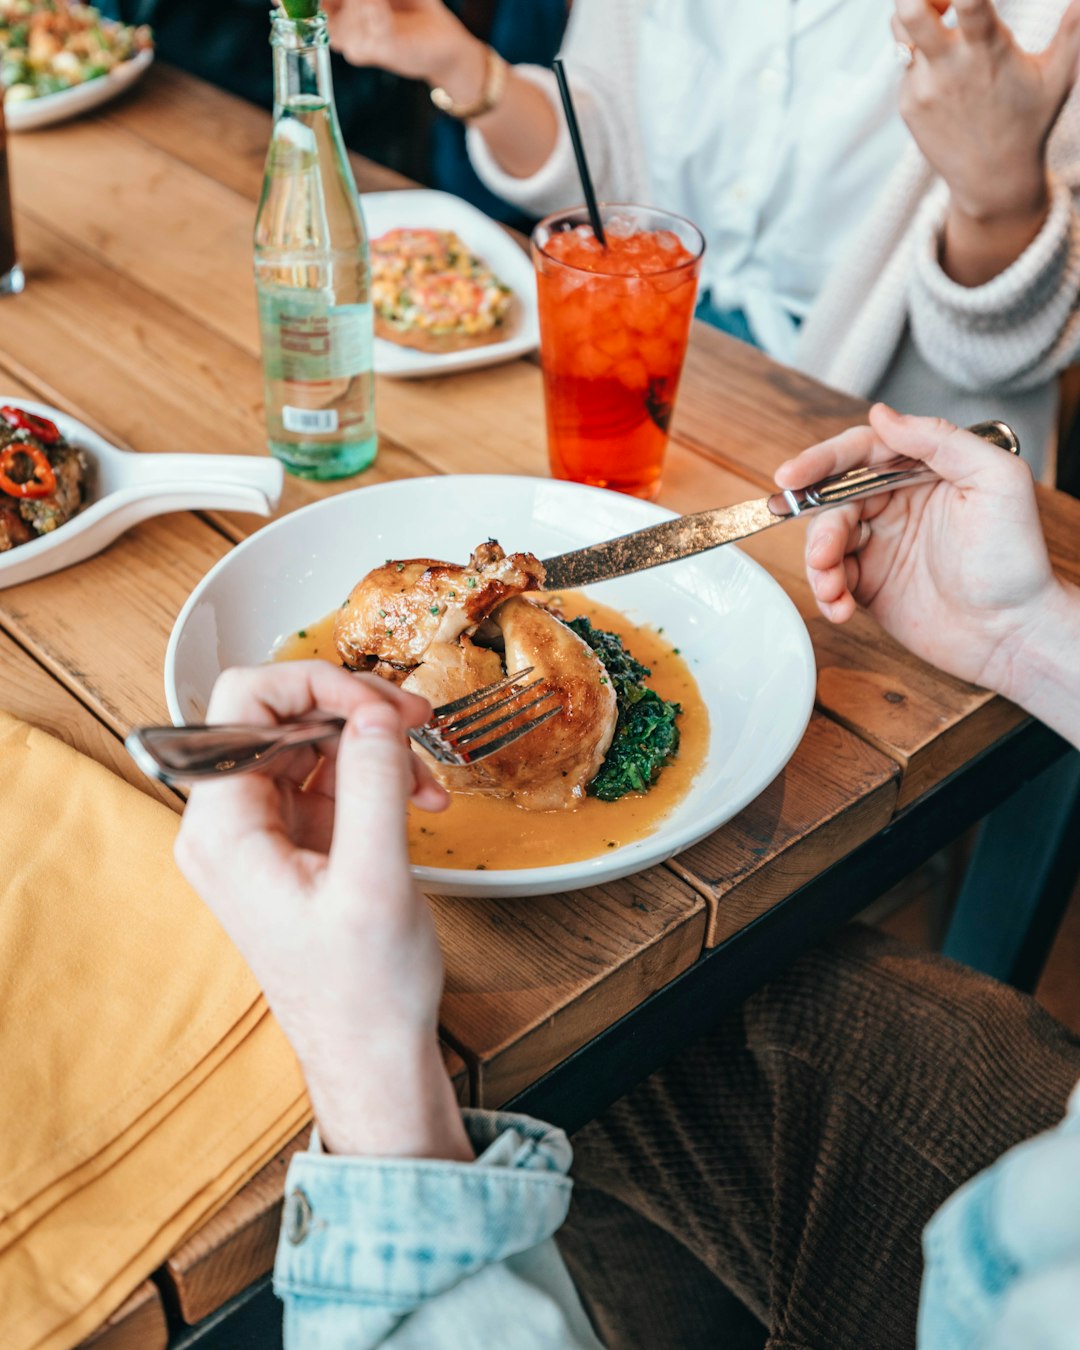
column 46, row 513
column 13, row 529
column 398, row 610
column 548, row 770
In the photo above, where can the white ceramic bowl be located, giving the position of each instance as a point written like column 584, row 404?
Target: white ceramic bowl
column 30, row 113
column 749, row 649
column 124, row 488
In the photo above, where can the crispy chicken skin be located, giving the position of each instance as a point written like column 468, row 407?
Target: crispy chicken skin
column 398, row 610
column 548, row 770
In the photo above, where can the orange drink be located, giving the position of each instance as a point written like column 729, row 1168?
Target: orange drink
column 614, row 324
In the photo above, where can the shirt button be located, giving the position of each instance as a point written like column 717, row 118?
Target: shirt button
column 296, row 1221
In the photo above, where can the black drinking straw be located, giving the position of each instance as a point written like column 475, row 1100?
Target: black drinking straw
column 579, row 151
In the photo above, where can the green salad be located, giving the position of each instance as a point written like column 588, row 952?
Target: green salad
column 646, row 735
column 47, row 46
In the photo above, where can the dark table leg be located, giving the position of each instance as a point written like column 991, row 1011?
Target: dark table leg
column 250, row 1321
column 1020, row 878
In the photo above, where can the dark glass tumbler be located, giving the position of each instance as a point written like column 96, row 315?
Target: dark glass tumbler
column 11, row 274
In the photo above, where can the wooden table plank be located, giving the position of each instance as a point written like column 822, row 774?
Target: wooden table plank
column 138, row 1324
column 94, row 180
column 555, row 969
column 223, row 136
column 743, row 410
column 32, row 693
column 102, row 628
column 927, row 721
column 835, row 793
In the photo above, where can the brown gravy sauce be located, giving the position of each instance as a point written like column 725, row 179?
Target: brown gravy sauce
column 481, row 832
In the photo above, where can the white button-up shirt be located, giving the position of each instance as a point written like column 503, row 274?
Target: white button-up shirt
column 772, row 124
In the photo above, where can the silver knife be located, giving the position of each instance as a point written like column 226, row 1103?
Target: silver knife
column 687, row 535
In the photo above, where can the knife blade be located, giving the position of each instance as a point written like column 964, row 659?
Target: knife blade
column 687, row 535
column 656, row 544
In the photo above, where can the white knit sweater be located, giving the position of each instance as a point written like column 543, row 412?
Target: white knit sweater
column 888, row 323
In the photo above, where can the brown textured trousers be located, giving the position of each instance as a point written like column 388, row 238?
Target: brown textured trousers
column 770, row 1185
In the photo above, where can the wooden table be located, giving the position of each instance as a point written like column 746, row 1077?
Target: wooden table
column 134, row 228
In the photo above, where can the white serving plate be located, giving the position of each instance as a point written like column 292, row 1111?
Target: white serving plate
column 124, row 488
column 749, row 649
column 427, row 209
column 31, row 113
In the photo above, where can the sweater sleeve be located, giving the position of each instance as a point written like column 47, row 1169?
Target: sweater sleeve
column 598, row 51
column 1021, row 328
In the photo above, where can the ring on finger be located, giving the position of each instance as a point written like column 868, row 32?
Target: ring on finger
column 865, row 532
column 905, row 54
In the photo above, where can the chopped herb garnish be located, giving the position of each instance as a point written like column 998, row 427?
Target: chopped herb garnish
column 675, row 651
column 434, row 609
column 471, row 583
column 382, row 613
column 401, row 567
column 452, row 595
column 603, row 679
column 389, row 632
column 481, row 867
column 302, row 633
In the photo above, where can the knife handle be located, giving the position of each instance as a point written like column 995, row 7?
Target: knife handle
column 873, row 478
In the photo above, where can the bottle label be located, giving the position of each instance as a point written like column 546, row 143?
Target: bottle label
column 305, row 339
column 309, row 421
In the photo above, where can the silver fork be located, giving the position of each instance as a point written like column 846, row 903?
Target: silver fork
column 194, row 754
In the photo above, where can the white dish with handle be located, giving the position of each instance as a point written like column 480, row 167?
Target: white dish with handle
column 124, row 488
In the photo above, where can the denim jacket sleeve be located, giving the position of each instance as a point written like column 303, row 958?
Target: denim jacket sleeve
column 1003, row 1253
column 423, row 1254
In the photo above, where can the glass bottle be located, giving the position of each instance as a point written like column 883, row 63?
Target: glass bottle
column 312, row 272
column 11, row 274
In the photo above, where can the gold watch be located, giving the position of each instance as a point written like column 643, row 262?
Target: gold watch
column 490, row 94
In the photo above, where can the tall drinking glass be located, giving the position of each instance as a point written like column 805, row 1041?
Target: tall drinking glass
column 11, row 276
column 614, row 324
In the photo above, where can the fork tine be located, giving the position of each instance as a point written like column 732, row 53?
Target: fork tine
column 508, row 737
column 460, row 704
column 439, row 751
column 456, row 742
column 446, row 728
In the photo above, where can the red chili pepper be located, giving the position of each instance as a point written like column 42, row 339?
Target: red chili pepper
column 42, row 482
column 47, row 432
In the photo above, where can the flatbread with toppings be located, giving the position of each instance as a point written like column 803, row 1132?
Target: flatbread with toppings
column 432, row 294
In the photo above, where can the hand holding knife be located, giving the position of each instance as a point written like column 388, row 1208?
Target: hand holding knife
column 704, row 530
